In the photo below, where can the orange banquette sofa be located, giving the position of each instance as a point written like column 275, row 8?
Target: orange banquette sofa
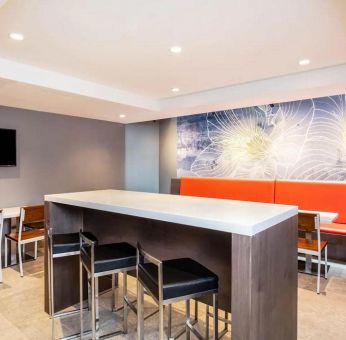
column 317, row 196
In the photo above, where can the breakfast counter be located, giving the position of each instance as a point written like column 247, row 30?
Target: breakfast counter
column 250, row 246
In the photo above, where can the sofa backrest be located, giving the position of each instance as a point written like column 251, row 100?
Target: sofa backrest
column 320, row 196
column 229, row 188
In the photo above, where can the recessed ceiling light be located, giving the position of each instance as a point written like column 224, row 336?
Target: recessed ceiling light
column 17, row 36
column 176, row 49
column 122, row 116
column 304, row 62
column 175, row 89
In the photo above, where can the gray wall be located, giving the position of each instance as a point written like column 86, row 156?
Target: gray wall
column 58, row 153
column 142, row 157
column 168, row 153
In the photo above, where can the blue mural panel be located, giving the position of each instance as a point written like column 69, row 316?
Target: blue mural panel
column 303, row 140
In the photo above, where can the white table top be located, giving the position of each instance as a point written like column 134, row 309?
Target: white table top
column 239, row 217
column 11, row 212
column 325, row 216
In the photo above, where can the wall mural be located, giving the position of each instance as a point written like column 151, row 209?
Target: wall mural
column 303, row 139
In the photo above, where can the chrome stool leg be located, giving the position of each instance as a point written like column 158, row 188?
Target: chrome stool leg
column 187, row 320
column 169, row 326
column 207, row 321
column 97, row 311
column 93, row 308
column 140, row 316
column 51, row 291
column 81, row 298
column 225, row 320
column 125, row 299
column 215, row 319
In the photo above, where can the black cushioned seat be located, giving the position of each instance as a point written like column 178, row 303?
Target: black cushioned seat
column 66, row 243
column 111, row 257
column 181, row 277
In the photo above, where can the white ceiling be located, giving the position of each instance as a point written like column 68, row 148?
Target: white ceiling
column 102, row 58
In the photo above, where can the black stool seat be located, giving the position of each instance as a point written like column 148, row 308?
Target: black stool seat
column 181, row 277
column 67, row 243
column 111, row 256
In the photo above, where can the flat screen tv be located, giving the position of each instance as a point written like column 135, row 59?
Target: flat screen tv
column 8, row 154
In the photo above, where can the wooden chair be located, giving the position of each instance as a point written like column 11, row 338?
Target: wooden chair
column 309, row 223
column 21, row 237
column 34, row 217
column 1, row 231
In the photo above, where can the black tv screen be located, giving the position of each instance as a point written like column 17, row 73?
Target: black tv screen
column 8, row 154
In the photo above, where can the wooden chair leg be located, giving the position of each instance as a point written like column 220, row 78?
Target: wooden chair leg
column 35, row 250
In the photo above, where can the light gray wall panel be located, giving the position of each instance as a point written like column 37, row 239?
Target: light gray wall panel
column 57, row 153
column 168, row 153
column 142, row 157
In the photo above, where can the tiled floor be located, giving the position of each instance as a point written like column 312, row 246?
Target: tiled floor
column 22, row 317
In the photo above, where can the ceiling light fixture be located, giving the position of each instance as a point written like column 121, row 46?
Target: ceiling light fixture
column 17, row 36
column 176, row 49
column 122, row 116
column 304, row 62
column 175, row 89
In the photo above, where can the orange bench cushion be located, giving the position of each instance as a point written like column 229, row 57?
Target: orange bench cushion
column 334, row 228
column 234, row 189
column 320, row 196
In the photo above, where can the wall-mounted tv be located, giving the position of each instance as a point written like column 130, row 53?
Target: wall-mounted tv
column 8, row 154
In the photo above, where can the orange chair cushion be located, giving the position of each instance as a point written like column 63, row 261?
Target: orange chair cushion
column 318, row 196
column 334, row 228
column 234, row 189
column 310, row 245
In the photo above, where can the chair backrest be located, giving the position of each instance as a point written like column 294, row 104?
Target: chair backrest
column 308, row 223
column 33, row 214
column 143, row 257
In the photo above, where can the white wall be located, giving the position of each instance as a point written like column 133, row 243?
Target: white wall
column 142, row 157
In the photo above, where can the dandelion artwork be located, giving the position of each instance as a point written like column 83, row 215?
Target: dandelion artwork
column 303, row 140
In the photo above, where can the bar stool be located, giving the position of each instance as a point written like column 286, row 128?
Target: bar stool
column 101, row 260
column 172, row 281
column 60, row 245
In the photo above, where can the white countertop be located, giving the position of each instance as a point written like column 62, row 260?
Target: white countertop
column 239, row 217
column 11, row 212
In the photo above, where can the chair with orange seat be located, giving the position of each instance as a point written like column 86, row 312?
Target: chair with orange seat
column 1, row 228
column 23, row 237
column 309, row 223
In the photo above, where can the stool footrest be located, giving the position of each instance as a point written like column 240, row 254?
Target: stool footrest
column 182, row 330
column 75, row 336
column 220, row 318
column 194, row 331
column 66, row 314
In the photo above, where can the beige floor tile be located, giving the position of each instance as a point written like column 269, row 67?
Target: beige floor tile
column 321, row 317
